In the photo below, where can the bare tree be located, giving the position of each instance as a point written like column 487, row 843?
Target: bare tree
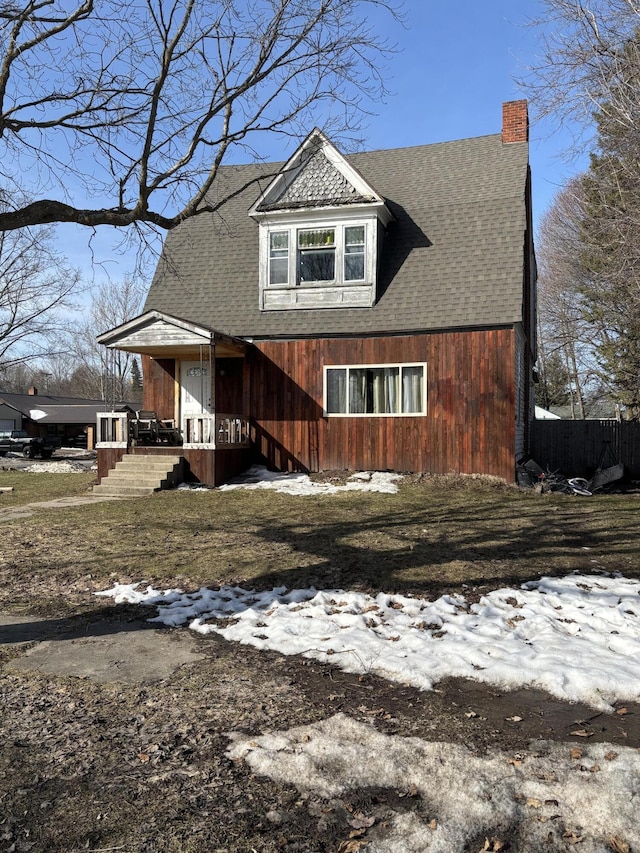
column 567, row 342
column 586, row 50
column 589, row 73
column 108, row 370
column 36, row 285
column 135, row 104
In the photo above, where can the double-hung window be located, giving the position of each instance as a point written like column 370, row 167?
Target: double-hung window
column 385, row 389
column 335, row 254
column 279, row 257
column 316, row 257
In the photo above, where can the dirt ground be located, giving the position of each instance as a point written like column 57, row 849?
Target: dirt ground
column 141, row 767
column 138, row 764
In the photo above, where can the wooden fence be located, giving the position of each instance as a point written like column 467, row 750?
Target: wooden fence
column 574, row 448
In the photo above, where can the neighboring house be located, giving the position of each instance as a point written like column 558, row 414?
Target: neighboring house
column 71, row 419
column 369, row 311
column 593, row 411
column 545, row 415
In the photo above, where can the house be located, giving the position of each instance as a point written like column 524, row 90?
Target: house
column 369, row 311
column 70, row 419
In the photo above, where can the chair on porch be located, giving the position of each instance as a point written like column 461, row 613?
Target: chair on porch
column 168, row 433
column 144, row 429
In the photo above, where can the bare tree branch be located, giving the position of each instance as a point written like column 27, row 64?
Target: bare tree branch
column 36, row 286
column 583, row 52
column 135, row 104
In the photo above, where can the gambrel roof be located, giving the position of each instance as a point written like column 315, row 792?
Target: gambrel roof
column 453, row 257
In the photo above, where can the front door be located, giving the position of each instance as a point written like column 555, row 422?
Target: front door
column 195, row 388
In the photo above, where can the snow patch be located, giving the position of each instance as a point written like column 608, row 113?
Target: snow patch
column 546, row 797
column 576, row 637
column 259, row 477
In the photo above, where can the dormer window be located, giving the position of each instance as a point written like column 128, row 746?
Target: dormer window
column 279, row 257
column 326, row 255
column 321, row 227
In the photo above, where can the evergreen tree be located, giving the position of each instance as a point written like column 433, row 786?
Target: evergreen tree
column 136, row 382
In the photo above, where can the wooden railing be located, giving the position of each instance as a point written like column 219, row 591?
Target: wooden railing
column 112, row 429
column 211, row 431
column 198, row 431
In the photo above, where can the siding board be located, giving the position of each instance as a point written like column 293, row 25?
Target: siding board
column 469, row 426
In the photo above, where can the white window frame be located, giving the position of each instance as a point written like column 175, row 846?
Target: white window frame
column 399, row 414
column 292, row 229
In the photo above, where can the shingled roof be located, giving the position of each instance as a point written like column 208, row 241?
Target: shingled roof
column 452, row 259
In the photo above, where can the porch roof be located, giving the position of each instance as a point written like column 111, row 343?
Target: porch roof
column 161, row 335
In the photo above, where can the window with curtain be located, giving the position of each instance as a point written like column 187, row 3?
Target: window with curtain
column 332, row 255
column 392, row 389
column 317, row 254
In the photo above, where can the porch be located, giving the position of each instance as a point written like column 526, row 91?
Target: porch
column 212, row 447
column 193, row 380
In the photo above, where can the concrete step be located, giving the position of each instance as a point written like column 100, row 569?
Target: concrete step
column 115, row 490
column 137, row 475
column 144, row 478
column 137, row 462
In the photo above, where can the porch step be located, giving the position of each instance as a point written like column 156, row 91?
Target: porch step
column 137, row 475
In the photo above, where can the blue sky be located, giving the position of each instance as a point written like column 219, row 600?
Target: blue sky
column 455, row 65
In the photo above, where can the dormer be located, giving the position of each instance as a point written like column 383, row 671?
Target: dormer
column 321, row 228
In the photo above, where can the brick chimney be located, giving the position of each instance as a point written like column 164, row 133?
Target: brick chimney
column 33, row 391
column 515, row 122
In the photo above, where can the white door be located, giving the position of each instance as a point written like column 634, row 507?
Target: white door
column 195, row 388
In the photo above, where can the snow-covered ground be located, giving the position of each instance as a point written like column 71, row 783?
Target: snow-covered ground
column 555, row 797
column 65, row 461
column 259, row 477
column 577, row 637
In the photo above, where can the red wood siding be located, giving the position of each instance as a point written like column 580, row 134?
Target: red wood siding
column 469, row 426
column 159, row 386
column 108, row 458
column 229, row 385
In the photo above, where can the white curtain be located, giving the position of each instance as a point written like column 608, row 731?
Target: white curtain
column 412, row 389
column 385, row 390
column 357, row 391
column 337, row 391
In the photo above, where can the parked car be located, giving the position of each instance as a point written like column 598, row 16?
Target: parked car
column 19, row 441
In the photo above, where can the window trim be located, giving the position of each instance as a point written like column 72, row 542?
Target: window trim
column 400, row 365
column 339, row 226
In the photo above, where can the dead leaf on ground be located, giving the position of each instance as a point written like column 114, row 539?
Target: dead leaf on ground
column 571, row 837
column 361, row 821
column 618, row 845
column 576, row 753
column 351, row 846
column 622, row 711
column 534, row 802
column 610, row 755
column 582, row 733
column 494, row 845
column 514, row 719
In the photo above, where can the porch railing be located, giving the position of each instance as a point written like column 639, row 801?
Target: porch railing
column 202, row 431
column 112, row 429
column 212, row 431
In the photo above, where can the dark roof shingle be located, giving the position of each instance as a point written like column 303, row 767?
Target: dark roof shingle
column 453, row 258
